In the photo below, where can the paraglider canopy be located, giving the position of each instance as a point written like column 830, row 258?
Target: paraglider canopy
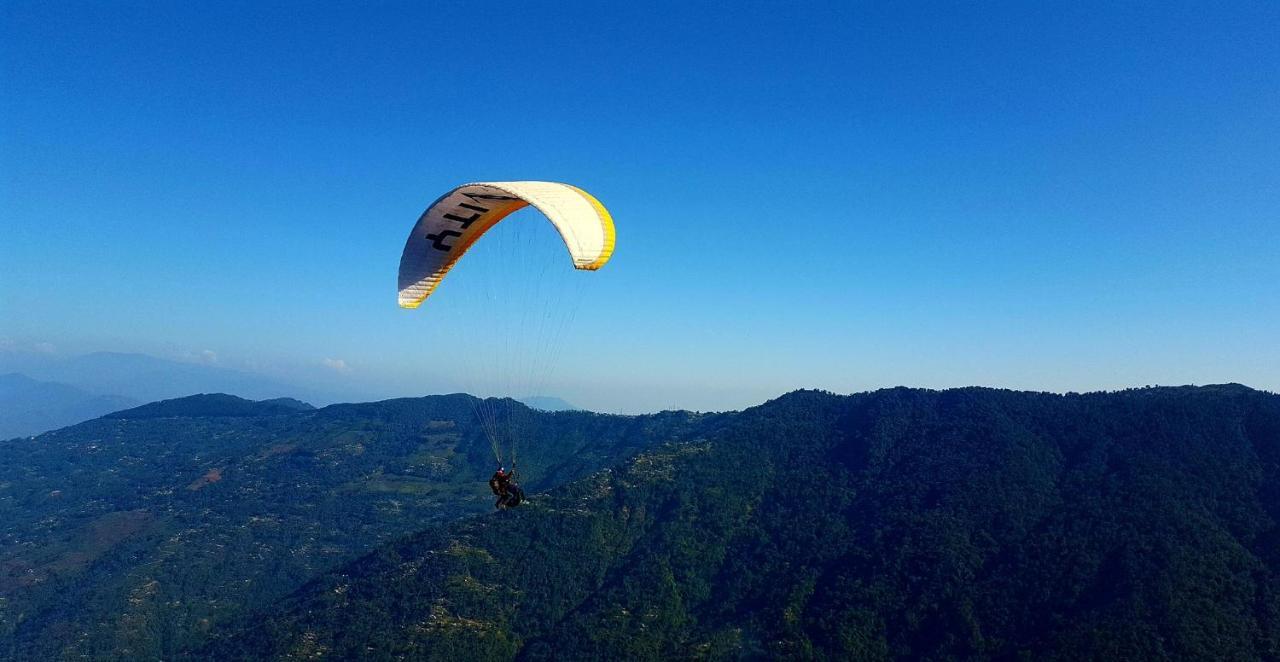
column 460, row 217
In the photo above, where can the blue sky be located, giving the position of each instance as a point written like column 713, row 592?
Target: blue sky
column 1050, row 196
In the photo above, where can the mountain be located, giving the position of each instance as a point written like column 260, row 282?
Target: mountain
column 135, row 535
column 212, row 405
column 146, row 378
column 289, row 403
column 963, row 524
column 29, row 406
column 548, row 403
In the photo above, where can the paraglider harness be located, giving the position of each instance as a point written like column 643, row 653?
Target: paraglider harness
column 509, row 493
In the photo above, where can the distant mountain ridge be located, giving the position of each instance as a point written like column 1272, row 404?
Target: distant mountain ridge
column 104, row 382
column 144, row 378
column 549, row 403
column 30, row 406
column 900, row 524
column 214, row 404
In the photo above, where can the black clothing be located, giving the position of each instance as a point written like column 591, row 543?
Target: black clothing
column 498, row 483
column 509, row 494
column 515, row 495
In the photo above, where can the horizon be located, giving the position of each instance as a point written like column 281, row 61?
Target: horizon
column 1053, row 199
column 527, row 400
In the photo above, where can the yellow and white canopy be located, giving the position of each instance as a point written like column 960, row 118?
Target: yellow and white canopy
column 460, row 217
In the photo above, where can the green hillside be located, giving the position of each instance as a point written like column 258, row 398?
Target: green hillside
column 965, row 524
column 135, row 535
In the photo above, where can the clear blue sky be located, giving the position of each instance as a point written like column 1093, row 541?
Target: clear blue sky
column 1054, row 196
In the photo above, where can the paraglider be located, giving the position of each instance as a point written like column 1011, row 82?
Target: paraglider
column 449, row 228
column 509, row 492
column 460, row 217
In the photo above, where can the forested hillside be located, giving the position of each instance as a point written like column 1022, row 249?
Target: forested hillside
column 134, row 535
column 964, row 524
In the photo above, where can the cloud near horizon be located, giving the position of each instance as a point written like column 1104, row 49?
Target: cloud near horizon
column 337, row 365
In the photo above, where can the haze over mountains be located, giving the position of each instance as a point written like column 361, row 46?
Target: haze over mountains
column 145, row 378
column 41, row 392
column 549, row 403
column 44, row 392
column 29, row 406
